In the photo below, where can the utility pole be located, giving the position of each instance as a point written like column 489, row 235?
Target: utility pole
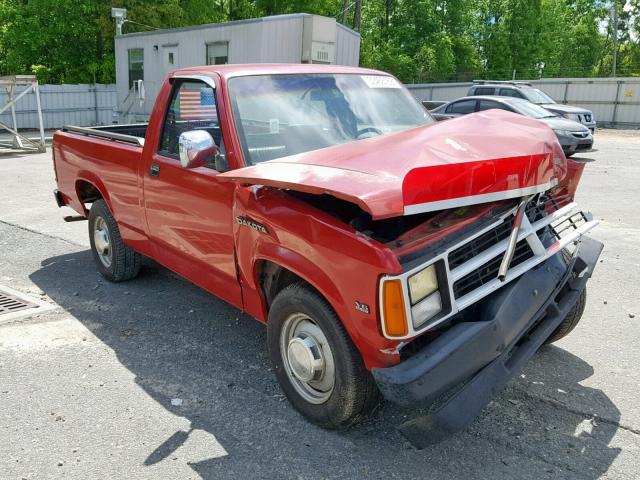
column 614, row 14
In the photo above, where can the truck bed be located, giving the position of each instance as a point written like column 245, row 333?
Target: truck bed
column 132, row 133
column 102, row 161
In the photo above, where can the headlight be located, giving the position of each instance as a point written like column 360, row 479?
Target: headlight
column 426, row 309
column 425, row 298
column 571, row 116
column 422, row 284
column 563, row 133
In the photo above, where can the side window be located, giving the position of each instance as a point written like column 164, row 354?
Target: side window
column 489, row 104
column 484, row 91
column 462, row 107
column 192, row 107
column 510, row 92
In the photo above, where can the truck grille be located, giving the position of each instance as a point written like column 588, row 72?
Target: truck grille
column 535, row 211
column 580, row 134
column 566, row 226
column 478, row 245
column 471, row 267
column 489, row 271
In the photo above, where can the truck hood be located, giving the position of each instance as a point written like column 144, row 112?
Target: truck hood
column 478, row 158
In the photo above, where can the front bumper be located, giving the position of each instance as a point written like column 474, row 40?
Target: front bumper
column 484, row 355
column 585, row 144
column 570, row 147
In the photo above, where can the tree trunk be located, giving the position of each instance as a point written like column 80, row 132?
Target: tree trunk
column 345, row 11
column 357, row 15
column 387, row 10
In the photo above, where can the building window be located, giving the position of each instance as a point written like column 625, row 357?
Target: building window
column 170, row 58
column 217, row 53
column 136, row 65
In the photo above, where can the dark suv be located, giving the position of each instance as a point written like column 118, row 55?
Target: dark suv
column 527, row 91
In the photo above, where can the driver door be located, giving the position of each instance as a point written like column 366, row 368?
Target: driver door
column 189, row 211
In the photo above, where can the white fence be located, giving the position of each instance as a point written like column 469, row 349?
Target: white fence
column 614, row 101
column 82, row 105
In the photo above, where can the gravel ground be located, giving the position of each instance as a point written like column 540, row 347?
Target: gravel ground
column 156, row 379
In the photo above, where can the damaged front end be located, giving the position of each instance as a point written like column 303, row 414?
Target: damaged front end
column 486, row 327
column 468, row 364
column 468, row 261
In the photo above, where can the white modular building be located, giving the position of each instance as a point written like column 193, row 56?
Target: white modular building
column 143, row 59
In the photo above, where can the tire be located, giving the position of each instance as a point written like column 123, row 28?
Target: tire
column 353, row 393
column 114, row 260
column 571, row 320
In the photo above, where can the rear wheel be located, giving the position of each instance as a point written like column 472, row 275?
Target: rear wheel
column 318, row 367
column 114, row 260
column 571, row 320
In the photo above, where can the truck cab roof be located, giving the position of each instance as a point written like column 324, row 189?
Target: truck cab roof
column 238, row 70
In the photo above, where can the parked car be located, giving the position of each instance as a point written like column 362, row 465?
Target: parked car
column 386, row 253
column 573, row 136
column 528, row 91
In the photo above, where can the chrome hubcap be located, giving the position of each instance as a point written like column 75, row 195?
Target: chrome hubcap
column 307, row 358
column 102, row 241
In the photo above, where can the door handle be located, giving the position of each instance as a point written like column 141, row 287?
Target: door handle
column 154, row 171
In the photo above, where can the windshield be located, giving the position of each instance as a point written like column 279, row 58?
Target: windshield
column 538, row 96
column 281, row 115
column 532, row 110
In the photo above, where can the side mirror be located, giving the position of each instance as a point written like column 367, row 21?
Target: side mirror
column 195, row 147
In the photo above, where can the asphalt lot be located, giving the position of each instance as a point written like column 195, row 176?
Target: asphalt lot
column 154, row 378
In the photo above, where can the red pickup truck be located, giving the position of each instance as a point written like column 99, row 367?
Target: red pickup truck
column 388, row 255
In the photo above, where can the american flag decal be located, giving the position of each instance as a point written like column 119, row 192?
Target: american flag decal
column 197, row 104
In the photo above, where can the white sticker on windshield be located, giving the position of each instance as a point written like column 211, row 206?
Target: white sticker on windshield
column 274, row 125
column 380, row 81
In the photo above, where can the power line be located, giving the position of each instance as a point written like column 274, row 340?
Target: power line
column 142, row 24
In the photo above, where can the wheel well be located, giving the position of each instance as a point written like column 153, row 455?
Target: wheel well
column 273, row 278
column 87, row 192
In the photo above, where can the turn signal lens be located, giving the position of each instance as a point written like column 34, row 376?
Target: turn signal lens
column 395, row 314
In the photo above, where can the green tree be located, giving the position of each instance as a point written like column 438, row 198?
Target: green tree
column 417, row 40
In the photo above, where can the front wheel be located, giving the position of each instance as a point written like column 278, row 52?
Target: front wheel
column 114, row 260
column 318, row 367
